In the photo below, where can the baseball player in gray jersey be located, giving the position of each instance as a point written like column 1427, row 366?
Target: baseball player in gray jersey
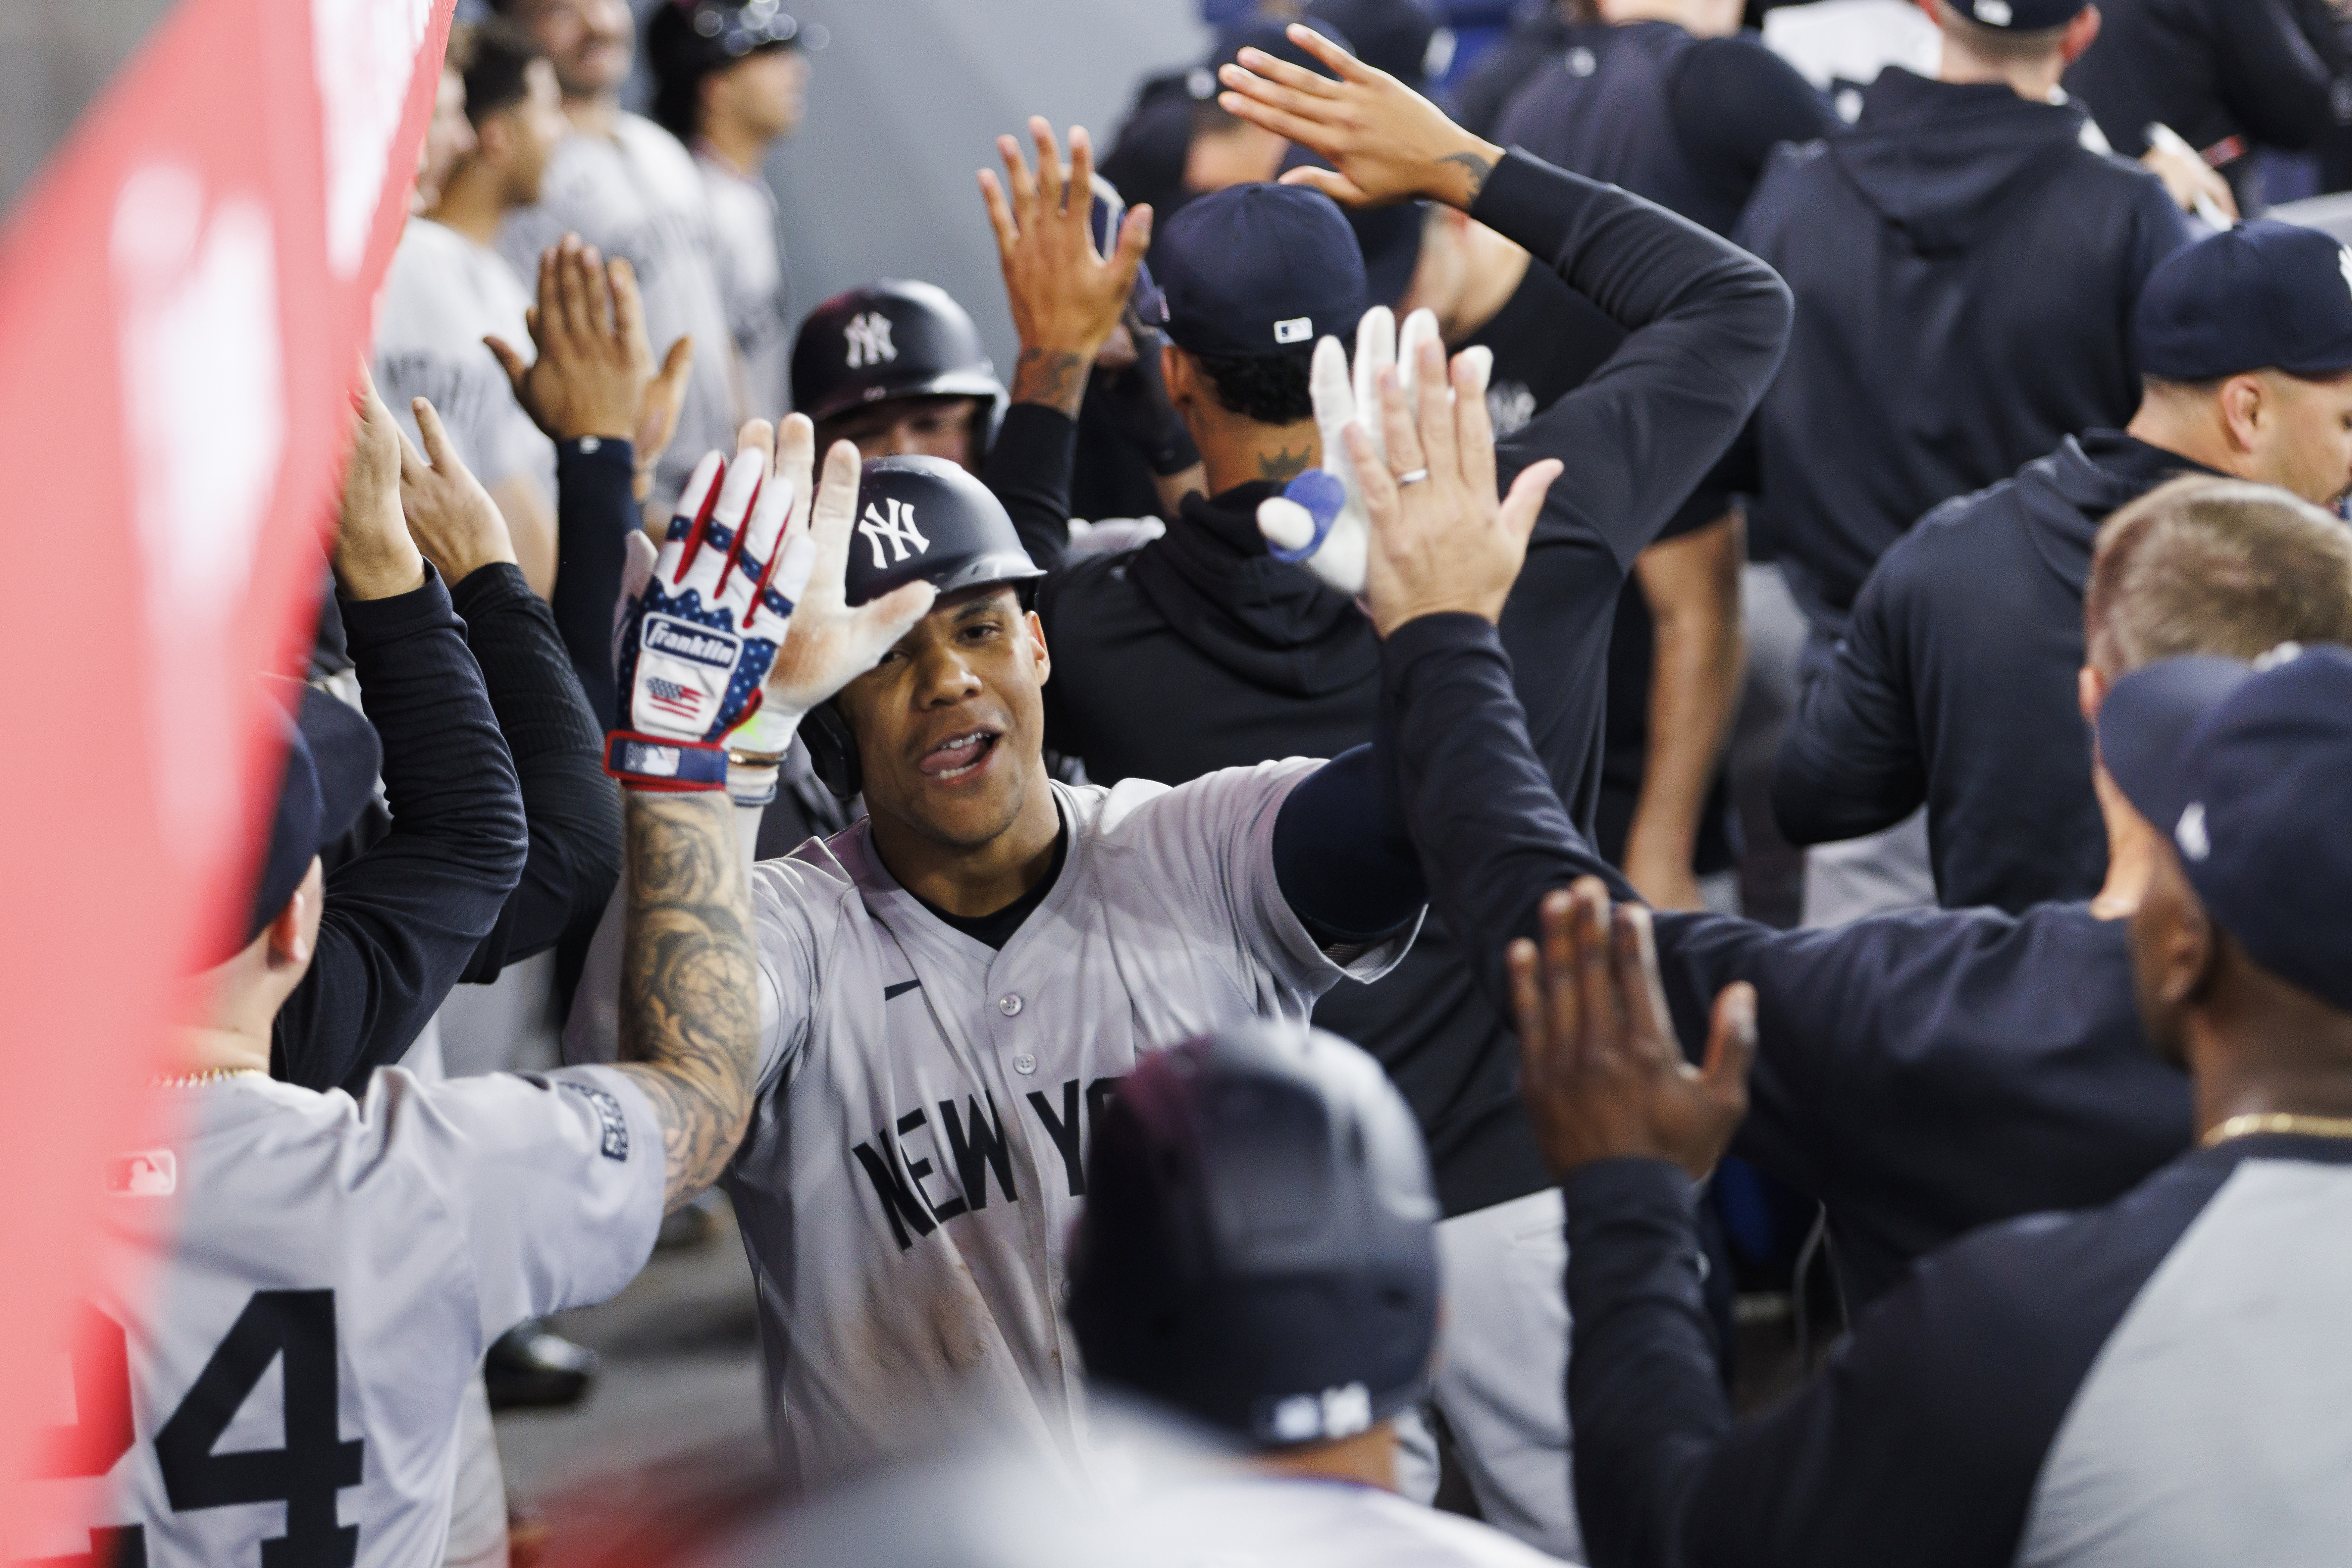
column 950, row 989
column 299, row 1284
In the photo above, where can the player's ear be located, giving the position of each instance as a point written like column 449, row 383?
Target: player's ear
column 294, row 934
column 1037, row 640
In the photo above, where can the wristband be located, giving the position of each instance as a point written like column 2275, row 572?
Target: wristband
column 664, row 763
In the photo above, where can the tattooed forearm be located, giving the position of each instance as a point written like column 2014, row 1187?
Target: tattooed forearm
column 1054, row 377
column 689, row 1009
column 1475, row 167
column 1284, row 464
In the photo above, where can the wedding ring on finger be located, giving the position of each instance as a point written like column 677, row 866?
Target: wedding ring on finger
column 1413, row 477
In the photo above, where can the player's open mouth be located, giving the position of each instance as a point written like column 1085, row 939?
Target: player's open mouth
column 959, row 756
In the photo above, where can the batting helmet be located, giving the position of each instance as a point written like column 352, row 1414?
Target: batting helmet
column 1259, row 1243
column 920, row 520
column 891, row 339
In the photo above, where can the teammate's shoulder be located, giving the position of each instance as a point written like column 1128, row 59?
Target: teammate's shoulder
column 1956, row 523
column 650, row 144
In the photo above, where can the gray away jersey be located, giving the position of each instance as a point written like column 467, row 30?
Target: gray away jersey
column 638, row 194
column 297, row 1287
column 442, row 295
column 914, row 1161
column 749, row 259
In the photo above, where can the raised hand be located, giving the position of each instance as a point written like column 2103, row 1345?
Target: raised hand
column 374, row 557
column 1384, row 142
column 1066, row 297
column 450, row 516
column 698, row 640
column 594, row 374
column 1600, row 1070
column 1319, row 518
column 832, row 644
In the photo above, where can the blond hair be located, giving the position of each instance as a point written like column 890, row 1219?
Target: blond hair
column 2211, row 565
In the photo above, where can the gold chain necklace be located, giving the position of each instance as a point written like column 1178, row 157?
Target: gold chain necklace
column 2257, row 1121
column 194, row 1080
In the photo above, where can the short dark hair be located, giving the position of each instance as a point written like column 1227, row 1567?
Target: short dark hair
column 2216, row 566
column 1271, row 389
column 496, row 64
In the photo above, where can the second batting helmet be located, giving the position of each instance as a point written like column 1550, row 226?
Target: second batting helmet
column 1259, row 1245
column 920, row 520
column 891, row 339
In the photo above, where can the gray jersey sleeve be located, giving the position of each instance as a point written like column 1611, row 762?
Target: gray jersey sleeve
column 1210, row 845
column 555, row 1179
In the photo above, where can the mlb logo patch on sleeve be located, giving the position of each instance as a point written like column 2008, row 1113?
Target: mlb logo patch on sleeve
column 611, row 1119
column 149, row 1173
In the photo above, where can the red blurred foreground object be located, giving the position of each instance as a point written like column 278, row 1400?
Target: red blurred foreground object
column 182, row 296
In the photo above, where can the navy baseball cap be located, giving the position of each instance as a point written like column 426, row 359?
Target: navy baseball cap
column 694, row 37
column 2243, row 766
column 1393, row 35
column 2262, row 295
column 2020, row 16
column 333, row 758
column 1259, row 269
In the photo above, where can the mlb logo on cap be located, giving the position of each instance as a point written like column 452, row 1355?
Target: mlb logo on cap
column 2021, row 15
column 1298, row 329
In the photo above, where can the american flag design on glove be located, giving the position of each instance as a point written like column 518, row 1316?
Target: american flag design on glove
column 697, row 642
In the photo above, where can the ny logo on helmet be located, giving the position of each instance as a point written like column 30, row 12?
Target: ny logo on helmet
column 898, row 526
column 869, row 340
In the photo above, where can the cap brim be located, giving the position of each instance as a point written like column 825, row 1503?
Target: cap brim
column 2146, row 721
column 947, row 384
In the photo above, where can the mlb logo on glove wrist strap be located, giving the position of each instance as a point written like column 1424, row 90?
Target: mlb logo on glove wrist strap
column 662, row 762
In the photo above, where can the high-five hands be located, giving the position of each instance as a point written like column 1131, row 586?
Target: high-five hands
column 594, row 374
column 830, row 643
column 1066, row 297
column 1319, row 517
column 1439, row 541
column 1600, row 1067
column 452, row 517
column 374, row 557
column 1384, row 142
column 698, row 638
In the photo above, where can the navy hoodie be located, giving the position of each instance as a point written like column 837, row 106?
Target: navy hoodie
column 1956, row 685
column 1965, row 274
column 1200, row 651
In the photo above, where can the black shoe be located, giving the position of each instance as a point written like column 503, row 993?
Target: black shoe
column 532, row 1367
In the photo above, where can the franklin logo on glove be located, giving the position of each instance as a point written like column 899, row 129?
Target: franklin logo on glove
column 698, row 640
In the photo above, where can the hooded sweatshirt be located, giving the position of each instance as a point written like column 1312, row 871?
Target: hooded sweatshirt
column 1955, row 685
column 1200, row 651
column 1965, row 274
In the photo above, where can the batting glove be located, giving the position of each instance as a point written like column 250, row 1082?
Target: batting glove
column 698, row 638
column 1319, row 518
